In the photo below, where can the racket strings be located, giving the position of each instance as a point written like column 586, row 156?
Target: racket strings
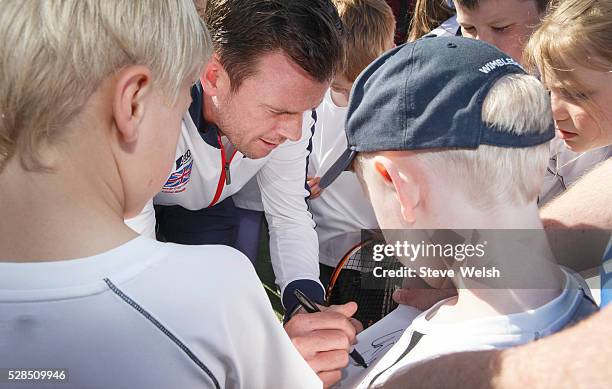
column 356, row 282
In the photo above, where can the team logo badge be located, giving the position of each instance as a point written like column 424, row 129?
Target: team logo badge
column 178, row 180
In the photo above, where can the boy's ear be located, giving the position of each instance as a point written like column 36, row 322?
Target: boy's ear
column 214, row 77
column 132, row 87
column 405, row 185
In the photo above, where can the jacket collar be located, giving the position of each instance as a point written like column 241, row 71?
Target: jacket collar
column 208, row 131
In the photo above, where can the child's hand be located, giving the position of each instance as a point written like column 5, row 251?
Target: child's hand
column 315, row 190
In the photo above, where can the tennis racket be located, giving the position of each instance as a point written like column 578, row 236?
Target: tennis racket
column 353, row 280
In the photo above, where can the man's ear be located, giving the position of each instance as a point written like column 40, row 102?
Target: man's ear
column 214, row 77
column 405, row 185
column 132, row 88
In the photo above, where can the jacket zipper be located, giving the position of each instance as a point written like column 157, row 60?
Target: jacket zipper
column 225, row 178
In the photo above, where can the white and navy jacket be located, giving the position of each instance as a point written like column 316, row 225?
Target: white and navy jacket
column 204, row 174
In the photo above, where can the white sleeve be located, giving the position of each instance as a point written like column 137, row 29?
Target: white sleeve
column 261, row 352
column 294, row 246
column 226, row 319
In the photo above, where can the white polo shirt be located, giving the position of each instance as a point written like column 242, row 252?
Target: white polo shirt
column 148, row 315
column 425, row 338
column 343, row 208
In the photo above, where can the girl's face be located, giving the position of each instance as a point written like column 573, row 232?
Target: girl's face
column 583, row 119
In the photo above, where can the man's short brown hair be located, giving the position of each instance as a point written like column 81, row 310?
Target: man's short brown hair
column 307, row 31
column 369, row 29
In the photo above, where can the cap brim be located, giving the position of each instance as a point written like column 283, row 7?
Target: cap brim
column 341, row 164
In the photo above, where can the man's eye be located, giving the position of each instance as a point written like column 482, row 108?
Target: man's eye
column 468, row 29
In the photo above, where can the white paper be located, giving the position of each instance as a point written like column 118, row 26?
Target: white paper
column 375, row 341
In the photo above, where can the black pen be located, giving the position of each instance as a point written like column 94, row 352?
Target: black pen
column 311, row 307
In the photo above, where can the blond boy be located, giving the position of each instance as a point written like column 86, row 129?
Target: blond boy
column 436, row 146
column 91, row 99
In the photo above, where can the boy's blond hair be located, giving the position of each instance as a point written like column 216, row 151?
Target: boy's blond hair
column 493, row 176
column 575, row 32
column 369, row 28
column 55, row 54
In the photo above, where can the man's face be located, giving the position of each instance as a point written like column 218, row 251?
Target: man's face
column 267, row 108
column 506, row 24
column 583, row 120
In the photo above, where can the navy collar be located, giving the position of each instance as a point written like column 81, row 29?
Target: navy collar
column 208, row 131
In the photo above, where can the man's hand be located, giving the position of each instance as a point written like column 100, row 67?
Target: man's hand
column 325, row 338
column 315, row 189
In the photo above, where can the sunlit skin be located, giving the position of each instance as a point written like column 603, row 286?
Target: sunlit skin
column 583, row 119
column 267, row 108
column 506, row 24
column 111, row 158
column 158, row 146
column 341, row 90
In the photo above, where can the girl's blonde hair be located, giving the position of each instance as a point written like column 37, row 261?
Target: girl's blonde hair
column 55, row 54
column 576, row 32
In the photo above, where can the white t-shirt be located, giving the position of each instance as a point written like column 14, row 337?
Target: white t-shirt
column 144, row 222
column 66, row 314
column 426, row 339
column 343, row 209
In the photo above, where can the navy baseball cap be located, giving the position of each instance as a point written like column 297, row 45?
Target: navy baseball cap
column 428, row 94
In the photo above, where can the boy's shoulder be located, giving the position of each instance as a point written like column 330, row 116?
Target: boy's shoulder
column 151, row 268
column 213, row 263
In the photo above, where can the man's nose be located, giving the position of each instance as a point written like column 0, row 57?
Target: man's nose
column 291, row 129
